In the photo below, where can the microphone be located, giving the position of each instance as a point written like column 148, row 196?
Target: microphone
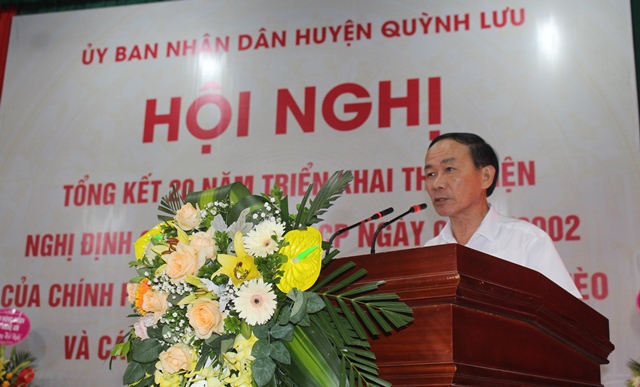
column 375, row 216
column 416, row 208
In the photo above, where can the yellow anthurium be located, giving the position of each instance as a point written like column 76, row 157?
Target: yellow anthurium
column 140, row 246
column 238, row 268
column 304, row 253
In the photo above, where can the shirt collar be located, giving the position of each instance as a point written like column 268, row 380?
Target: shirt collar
column 488, row 228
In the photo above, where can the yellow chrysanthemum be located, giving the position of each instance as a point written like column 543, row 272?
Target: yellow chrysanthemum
column 304, row 253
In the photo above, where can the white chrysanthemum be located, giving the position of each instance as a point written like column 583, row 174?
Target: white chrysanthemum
column 255, row 301
column 259, row 242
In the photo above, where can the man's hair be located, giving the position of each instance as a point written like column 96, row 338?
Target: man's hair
column 481, row 152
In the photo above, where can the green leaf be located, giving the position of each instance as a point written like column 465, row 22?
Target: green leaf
column 279, row 353
column 145, row 351
column 133, row 373
column 360, row 352
column 323, row 319
column 226, row 345
column 253, row 202
column 263, row 370
column 234, row 191
column 121, row 349
column 375, row 379
column 214, row 341
column 378, row 297
column 360, row 289
column 170, row 204
column 397, row 319
column 343, row 373
column 261, row 331
column 245, row 329
column 333, row 275
column 347, row 281
column 298, row 301
column 340, row 326
column 285, row 315
column 282, row 332
column 356, row 358
column 355, row 324
column 314, row 360
column 328, row 193
column 260, row 349
column 366, row 320
column 314, row 303
column 326, row 246
column 399, row 308
column 284, row 211
column 206, row 354
column 305, row 321
column 384, row 325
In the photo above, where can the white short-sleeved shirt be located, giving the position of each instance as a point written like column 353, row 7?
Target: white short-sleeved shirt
column 516, row 241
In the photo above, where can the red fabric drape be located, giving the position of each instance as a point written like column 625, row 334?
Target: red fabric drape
column 6, row 15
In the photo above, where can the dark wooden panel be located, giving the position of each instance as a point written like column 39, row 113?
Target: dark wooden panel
column 483, row 321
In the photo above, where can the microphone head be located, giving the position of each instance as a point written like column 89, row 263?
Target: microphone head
column 419, row 207
column 382, row 213
column 386, row 212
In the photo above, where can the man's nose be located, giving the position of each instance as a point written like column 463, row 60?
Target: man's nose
column 438, row 181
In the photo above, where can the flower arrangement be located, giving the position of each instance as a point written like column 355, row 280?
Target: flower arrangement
column 17, row 370
column 634, row 366
column 229, row 292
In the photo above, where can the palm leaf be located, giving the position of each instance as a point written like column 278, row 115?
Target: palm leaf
column 358, row 366
column 351, row 318
column 327, row 194
column 19, row 360
column 170, row 204
column 351, row 312
column 384, row 325
column 366, row 320
column 333, row 275
column 348, row 281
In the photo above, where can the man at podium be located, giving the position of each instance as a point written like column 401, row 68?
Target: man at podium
column 461, row 172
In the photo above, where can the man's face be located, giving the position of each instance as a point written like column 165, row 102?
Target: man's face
column 456, row 187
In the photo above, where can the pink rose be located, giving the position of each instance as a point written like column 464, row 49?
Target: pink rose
column 182, row 262
column 205, row 317
column 188, row 217
column 140, row 329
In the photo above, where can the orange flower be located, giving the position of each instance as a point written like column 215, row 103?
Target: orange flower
column 143, row 287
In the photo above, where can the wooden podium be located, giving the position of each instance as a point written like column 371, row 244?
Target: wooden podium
column 483, row 321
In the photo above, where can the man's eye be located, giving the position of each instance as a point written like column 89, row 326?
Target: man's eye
column 430, row 174
column 449, row 169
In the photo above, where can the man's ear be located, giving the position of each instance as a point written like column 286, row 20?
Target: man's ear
column 488, row 174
